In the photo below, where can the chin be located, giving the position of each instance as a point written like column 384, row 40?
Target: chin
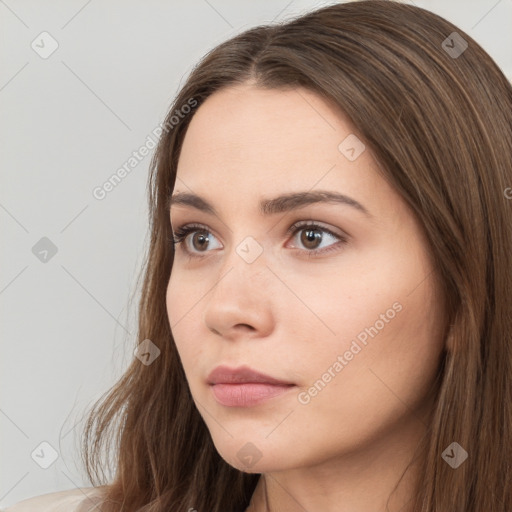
column 267, row 466
column 251, row 457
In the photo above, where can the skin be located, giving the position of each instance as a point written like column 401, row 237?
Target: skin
column 290, row 316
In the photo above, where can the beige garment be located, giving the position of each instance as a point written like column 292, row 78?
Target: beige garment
column 73, row 500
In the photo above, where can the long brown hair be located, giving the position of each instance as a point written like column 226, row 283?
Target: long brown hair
column 437, row 116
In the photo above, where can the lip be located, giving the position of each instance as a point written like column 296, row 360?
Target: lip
column 244, row 387
column 243, row 374
column 246, row 395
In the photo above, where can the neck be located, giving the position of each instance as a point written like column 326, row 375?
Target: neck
column 381, row 477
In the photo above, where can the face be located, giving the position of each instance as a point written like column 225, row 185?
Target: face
column 337, row 299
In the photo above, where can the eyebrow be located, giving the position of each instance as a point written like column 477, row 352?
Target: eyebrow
column 280, row 204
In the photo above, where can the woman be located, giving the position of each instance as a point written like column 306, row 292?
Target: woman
column 326, row 315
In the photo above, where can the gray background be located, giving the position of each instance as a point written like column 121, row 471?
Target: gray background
column 68, row 122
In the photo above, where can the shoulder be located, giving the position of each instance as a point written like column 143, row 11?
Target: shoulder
column 72, row 500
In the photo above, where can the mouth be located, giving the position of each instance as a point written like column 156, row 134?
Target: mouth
column 244, row 387
column 246, row 395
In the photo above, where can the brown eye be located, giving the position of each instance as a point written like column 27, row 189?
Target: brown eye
column 199, row 240
column 312, row 235
column 310, row 238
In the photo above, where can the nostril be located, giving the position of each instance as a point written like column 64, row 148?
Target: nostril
column 245, row 326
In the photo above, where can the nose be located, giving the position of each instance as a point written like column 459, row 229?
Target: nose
column 242, row 299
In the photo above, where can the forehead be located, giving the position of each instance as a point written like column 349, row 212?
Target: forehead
column 246, row 143
column 263, row 136
column 246, row 113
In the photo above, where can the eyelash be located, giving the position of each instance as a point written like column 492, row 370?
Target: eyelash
column 183, row 231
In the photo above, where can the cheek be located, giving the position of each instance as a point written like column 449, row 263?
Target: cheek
column 408, row 358
column 182, row 302
column 382, row 381
column 388, row 344
column 398, row 349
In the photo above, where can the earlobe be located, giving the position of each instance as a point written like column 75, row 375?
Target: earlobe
column 449, row 343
